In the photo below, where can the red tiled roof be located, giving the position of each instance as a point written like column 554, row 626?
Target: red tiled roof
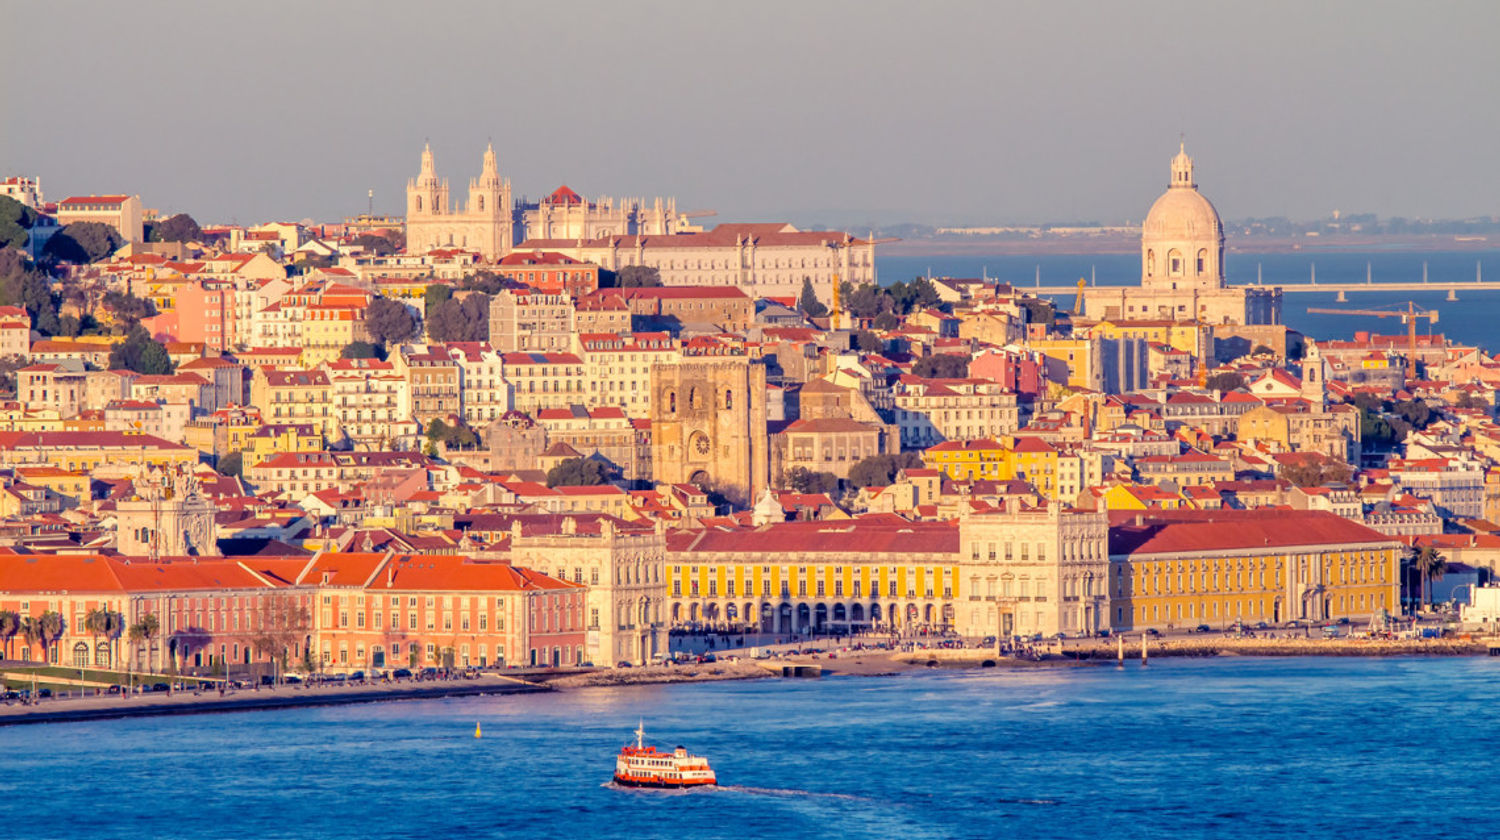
column 1174, row 532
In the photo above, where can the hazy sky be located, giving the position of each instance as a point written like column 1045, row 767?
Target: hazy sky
column 811, row 111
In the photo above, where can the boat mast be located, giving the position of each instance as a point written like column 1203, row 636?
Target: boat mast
column 640, row 734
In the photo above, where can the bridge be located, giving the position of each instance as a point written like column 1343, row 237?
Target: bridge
column 1342, row 289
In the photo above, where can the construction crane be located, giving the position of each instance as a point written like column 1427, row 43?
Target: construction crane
column 1408, row 317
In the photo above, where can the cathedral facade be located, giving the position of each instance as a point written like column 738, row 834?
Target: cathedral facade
column 1182, row 266
column 492, row 222
column 708, row 426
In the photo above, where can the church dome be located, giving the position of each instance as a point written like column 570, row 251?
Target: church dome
column 1182, row 239
column 1182, row 211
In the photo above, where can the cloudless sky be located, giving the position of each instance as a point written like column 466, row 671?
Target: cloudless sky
column 840, row 112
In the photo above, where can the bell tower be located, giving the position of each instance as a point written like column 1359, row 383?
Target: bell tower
column 490, row 207
column 427, row 195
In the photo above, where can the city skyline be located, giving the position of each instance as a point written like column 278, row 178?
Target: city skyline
column 840, row 113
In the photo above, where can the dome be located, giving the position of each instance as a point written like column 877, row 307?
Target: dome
column 1182, row 239
column 1183, row 214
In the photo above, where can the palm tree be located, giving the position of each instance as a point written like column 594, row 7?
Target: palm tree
column 143, row 631
column 10, row 625
column 1431, row 566
column 49, row 628
column 97, row 623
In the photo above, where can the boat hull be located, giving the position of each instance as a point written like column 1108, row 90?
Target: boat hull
column 658, row 784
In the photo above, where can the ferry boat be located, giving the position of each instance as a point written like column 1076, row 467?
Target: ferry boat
column 643, row 766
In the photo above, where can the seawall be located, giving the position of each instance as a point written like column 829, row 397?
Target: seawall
column 283, row 697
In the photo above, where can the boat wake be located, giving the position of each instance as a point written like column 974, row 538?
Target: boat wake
column 1028, row 802
column 790, row 793
column 782, row 793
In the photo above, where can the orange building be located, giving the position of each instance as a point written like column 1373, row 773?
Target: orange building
column 550, row 272
column 338, row 611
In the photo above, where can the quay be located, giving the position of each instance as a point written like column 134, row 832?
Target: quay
column 1342, row 289
column 106, row 706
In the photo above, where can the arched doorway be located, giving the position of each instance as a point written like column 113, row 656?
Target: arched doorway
column 948, row 615
column 102, row 656
column 928, row 614
column 912, row 614
column 857, row 613
column 840, row 614
column 699, row 479
column 784, row 624
column 676, row 613
column 820, row 618
column 80, row 655
column 804, row 618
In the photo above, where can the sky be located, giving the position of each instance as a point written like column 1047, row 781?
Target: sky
column 842, row 113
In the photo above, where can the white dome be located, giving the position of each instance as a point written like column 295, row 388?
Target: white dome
column 1182, row 213
column 1182, row 239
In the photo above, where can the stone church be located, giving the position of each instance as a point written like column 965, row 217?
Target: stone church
column 492, row 222
column 708, row 426
column 1182, row 266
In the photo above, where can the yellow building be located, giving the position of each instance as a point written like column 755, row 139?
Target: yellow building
column 107, row 452
column 1073, row 361
column 295, row 396
column 271, row 440
column 968, row 460
column 1187, row 568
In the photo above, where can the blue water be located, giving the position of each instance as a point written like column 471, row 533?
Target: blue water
column 1470, row 320
column 1253, row 748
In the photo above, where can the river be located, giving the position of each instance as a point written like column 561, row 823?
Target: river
column 1185, row 748
column 1471, row 319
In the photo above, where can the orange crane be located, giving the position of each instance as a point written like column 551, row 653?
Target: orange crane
column 1408, row 317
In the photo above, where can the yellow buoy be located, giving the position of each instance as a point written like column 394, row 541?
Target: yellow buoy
column 477, row 732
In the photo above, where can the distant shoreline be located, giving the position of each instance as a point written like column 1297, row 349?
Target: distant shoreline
column 1120, row 244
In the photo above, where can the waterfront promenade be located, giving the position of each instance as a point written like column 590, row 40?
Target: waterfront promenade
column 281, row 697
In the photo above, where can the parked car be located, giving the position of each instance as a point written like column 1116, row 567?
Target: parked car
column 1152, row 631
column 401, row 674
column 292, row 679
column 623, row 664
column 1202, row 628
column 160, row 687
column 1102, row 633
column 357, row 676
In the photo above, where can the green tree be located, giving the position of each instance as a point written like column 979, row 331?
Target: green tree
column 380, row 246
column 15, row 220
column 579, row 472
column 83, row 242
column 881, row 470
column 232, row 465
column 804, row 480
column 809, row 303
column 466, row 320
column 637, row 276
column 391, row 322
column 282, row 624
column 362, row 350
column 867, row 301
column 107, row 624
column 483, row 281
column 942, row 366
column 1225, row 381
column 44, row 629
column 21, row 284
column 10, row 625
column 178, row 228
column 127, row 308
column 141, row 353
column 868, row 342
column 887, row 321
column 435, row 295
column 456, row 437
column 1430, row 565
column 142, row 632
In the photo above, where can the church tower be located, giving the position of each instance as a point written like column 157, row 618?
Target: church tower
column 490, row 207
column 1314, row 381
column 708, row 426
column 427, row 195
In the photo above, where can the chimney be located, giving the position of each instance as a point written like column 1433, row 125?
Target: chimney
column 1140, row 520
